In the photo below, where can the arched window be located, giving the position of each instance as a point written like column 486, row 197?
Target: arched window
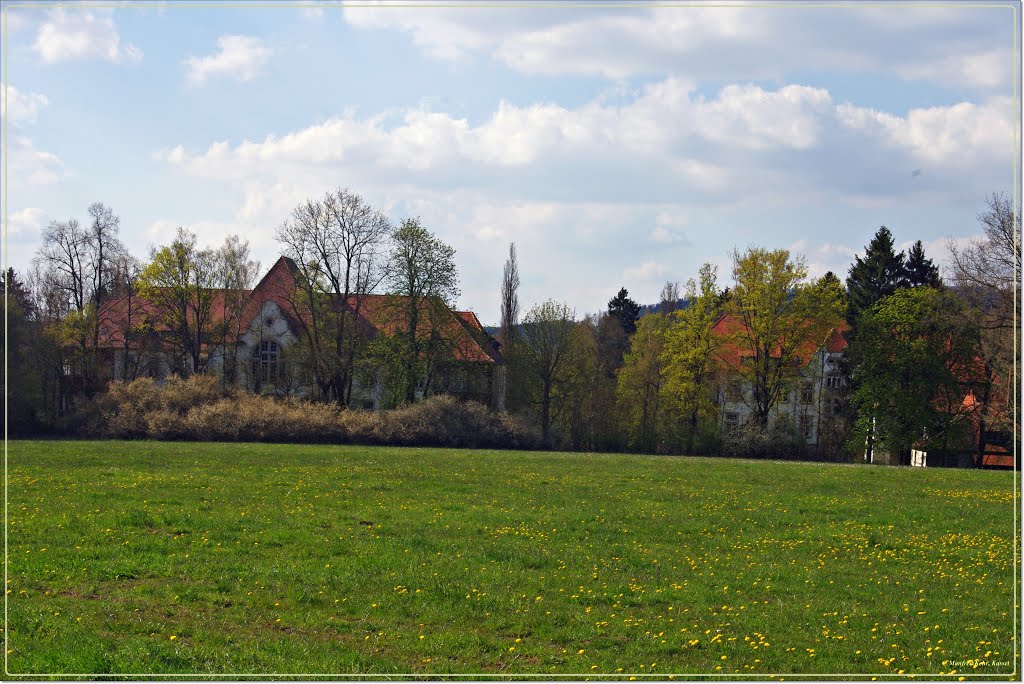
column 265, row 362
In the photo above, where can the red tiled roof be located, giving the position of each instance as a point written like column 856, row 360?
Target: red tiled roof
column 384, row 313
column 379, row 313
column 732, row 354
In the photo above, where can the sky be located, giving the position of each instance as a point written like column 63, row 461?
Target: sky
column 615, row 145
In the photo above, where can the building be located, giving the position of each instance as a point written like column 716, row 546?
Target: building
column 815, row 392
column 254, row 339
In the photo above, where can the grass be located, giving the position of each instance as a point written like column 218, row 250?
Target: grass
column 144, row 557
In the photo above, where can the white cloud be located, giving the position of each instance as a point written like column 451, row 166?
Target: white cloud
column 36, row 167
column 956, row 46
column 75, row 35
column 26, row 221
column 239, row 57
column 773, row 144
column 648, row 270
column 23, row 107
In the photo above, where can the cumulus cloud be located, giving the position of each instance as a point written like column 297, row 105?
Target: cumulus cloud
column 607, row 183
column 80, row 35
column 241, row 58
column 26, row 221
column 648, row 270
column 686, row 146
column 36, row 167
column 23, row 107
column 952, row 46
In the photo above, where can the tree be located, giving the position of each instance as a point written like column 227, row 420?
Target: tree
column 668, row 300
column 783, row 320
column 78, row 265
column 690, row 350
column 624, row 310
column 880, row 273
column 21, row 381
column 546, row 344
column 986, row 273
column 180, row 280
column 641, row 382
column 920, row 271
column 917, row 367
column 509, row 319
column 105, row 250
column 421, row 273
column 335, row 243
column 236, row 274
column 128, row 318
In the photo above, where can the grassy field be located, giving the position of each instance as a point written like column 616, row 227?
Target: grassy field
column 142, row 557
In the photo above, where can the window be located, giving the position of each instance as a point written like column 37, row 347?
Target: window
column 807, row 393
column 734, row 392
column 786, row 396
column 265, row 362
column 835, row 381
column 732, row 419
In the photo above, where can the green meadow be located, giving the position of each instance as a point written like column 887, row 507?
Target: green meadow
column 181, row 558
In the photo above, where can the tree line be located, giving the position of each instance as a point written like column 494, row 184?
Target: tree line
column 614, row 380
column 916, row 347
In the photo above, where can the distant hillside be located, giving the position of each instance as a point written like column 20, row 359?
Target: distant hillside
column 645, row 309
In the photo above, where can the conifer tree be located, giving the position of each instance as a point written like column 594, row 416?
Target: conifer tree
column 921, row 271
column 625, row 310
column 879, row 274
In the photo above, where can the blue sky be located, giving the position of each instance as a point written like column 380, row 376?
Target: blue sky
column 617, row 146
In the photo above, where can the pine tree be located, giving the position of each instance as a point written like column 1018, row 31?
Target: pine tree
column 920, row 269
column 879, row 274
column 624, row 310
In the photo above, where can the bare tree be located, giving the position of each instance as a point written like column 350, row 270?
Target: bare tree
column 669, row 299
column 987, row 275
column 236, row 275
column 63, row 259
column 125, row 312
column 104, row 249
column 77, row 265
column 335, row 244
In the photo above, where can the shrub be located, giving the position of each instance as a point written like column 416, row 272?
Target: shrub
column 198, row 409
column 780, row 439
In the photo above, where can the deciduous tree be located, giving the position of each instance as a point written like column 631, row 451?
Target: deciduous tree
column 784, row 317
column 180, row 280
column 918, row 365
column 421, row 272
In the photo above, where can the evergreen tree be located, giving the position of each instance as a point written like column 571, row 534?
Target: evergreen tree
column 920, row 269
column 624, row 310
column 879, row 274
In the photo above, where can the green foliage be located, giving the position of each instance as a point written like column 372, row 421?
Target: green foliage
column 421, row 270
column 545, row 349
column 179, row 281
column 918, row 363
column 624, row 310
column 880, row 273
column 785, row 320
column 641, row 391
column 689, row 354
column 920, row 270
